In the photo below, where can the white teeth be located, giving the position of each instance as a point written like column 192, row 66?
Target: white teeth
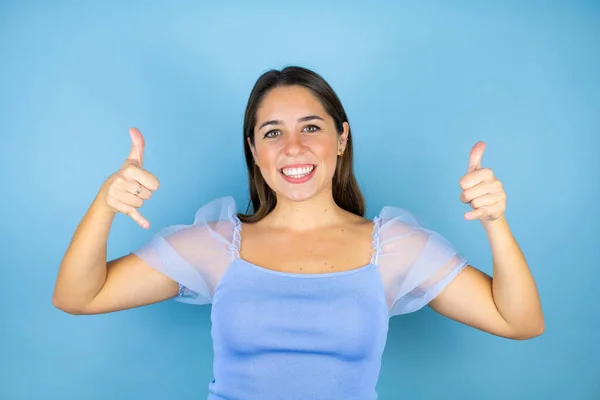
column 298, row 172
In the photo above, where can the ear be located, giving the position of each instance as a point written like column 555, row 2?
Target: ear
column 253, row 151
column 343, row 137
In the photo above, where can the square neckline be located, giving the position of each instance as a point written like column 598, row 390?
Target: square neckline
column 303, row 275
column 237, row 240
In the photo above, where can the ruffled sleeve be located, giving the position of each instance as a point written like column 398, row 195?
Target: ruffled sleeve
column 415, row 263
column 196, row 256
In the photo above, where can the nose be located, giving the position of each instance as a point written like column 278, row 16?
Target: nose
column 294, row 145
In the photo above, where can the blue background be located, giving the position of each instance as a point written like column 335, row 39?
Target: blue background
column 422, row 82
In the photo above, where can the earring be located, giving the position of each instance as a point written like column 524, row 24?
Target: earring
column 341, row 152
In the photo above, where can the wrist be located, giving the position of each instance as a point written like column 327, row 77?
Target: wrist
column 99, row 205
column 499, row 223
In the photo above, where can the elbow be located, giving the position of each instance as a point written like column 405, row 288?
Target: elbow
column 539, row 330
column 65, row 307
column 531, row 332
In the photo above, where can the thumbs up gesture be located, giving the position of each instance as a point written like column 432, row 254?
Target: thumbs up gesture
column 125, row 190
column 481, row 190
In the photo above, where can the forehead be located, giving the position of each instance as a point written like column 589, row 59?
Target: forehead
column 289, row 102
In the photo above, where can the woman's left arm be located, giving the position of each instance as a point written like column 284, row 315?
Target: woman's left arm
column 508, row 304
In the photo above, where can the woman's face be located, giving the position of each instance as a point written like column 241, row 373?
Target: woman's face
column 296, row 144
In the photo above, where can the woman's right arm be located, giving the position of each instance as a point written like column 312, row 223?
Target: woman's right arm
column 86, row 282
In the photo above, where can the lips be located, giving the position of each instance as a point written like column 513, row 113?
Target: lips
column 298, row 170
column 298, row 173
column 297, row 165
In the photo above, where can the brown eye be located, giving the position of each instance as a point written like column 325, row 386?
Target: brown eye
column 316, row 128
column 271, row 134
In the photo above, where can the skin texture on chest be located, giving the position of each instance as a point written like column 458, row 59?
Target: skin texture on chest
column 334, row 249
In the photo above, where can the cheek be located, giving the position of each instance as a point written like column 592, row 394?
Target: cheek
column 268, row 159
column 327, row 154
column 323, row 148
column 267, row 155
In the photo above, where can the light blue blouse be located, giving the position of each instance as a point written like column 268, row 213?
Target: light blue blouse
column 290, row 336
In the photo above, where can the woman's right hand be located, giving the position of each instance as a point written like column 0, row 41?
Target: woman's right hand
column 125, row 190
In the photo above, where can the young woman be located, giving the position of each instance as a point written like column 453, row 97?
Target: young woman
column 301, row 285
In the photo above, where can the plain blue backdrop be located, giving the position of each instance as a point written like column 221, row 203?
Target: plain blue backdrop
column 422, row 82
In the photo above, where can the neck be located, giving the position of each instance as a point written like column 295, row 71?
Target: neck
column 317, row 212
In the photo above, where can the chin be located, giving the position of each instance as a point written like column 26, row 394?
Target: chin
column 296, row 195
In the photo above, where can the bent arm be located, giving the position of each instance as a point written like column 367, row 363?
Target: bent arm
column 506, row 305
column 87, row 284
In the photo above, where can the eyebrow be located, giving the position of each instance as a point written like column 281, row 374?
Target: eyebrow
column 279, row 122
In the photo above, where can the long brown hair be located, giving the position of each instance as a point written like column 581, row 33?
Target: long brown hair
column 346, row 192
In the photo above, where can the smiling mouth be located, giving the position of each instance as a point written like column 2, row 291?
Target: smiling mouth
column 297, row 172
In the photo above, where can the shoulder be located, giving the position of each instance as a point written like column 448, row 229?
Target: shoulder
column 397, row 222
column 213, row 221
column 402, row 231
column 395, row 215
column 218, row 209
column 357, row 225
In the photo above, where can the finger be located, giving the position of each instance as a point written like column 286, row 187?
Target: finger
column 484, row 201
column 137, row 146
column 477, row 214
column 121, row 195
column 142, row 176
column 134, row 214
column 141, row 191
column 137, row 217
column 476, row 156
column 476, row 177
column 476, row 191
column 134, row 187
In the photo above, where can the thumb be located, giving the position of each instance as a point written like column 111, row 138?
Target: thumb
column 476, row 156
column 137, row 148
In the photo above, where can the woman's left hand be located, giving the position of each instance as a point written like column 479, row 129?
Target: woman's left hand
column 482, row 190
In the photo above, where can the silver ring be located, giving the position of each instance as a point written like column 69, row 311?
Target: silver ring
column 139, row 189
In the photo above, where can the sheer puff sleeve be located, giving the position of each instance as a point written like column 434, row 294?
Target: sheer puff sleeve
column 415, row 263
column 197, row 255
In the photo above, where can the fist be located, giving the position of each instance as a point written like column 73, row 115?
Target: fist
column 482, row 190
column 125, row 190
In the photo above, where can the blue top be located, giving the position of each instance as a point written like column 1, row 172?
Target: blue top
column 279, row 335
